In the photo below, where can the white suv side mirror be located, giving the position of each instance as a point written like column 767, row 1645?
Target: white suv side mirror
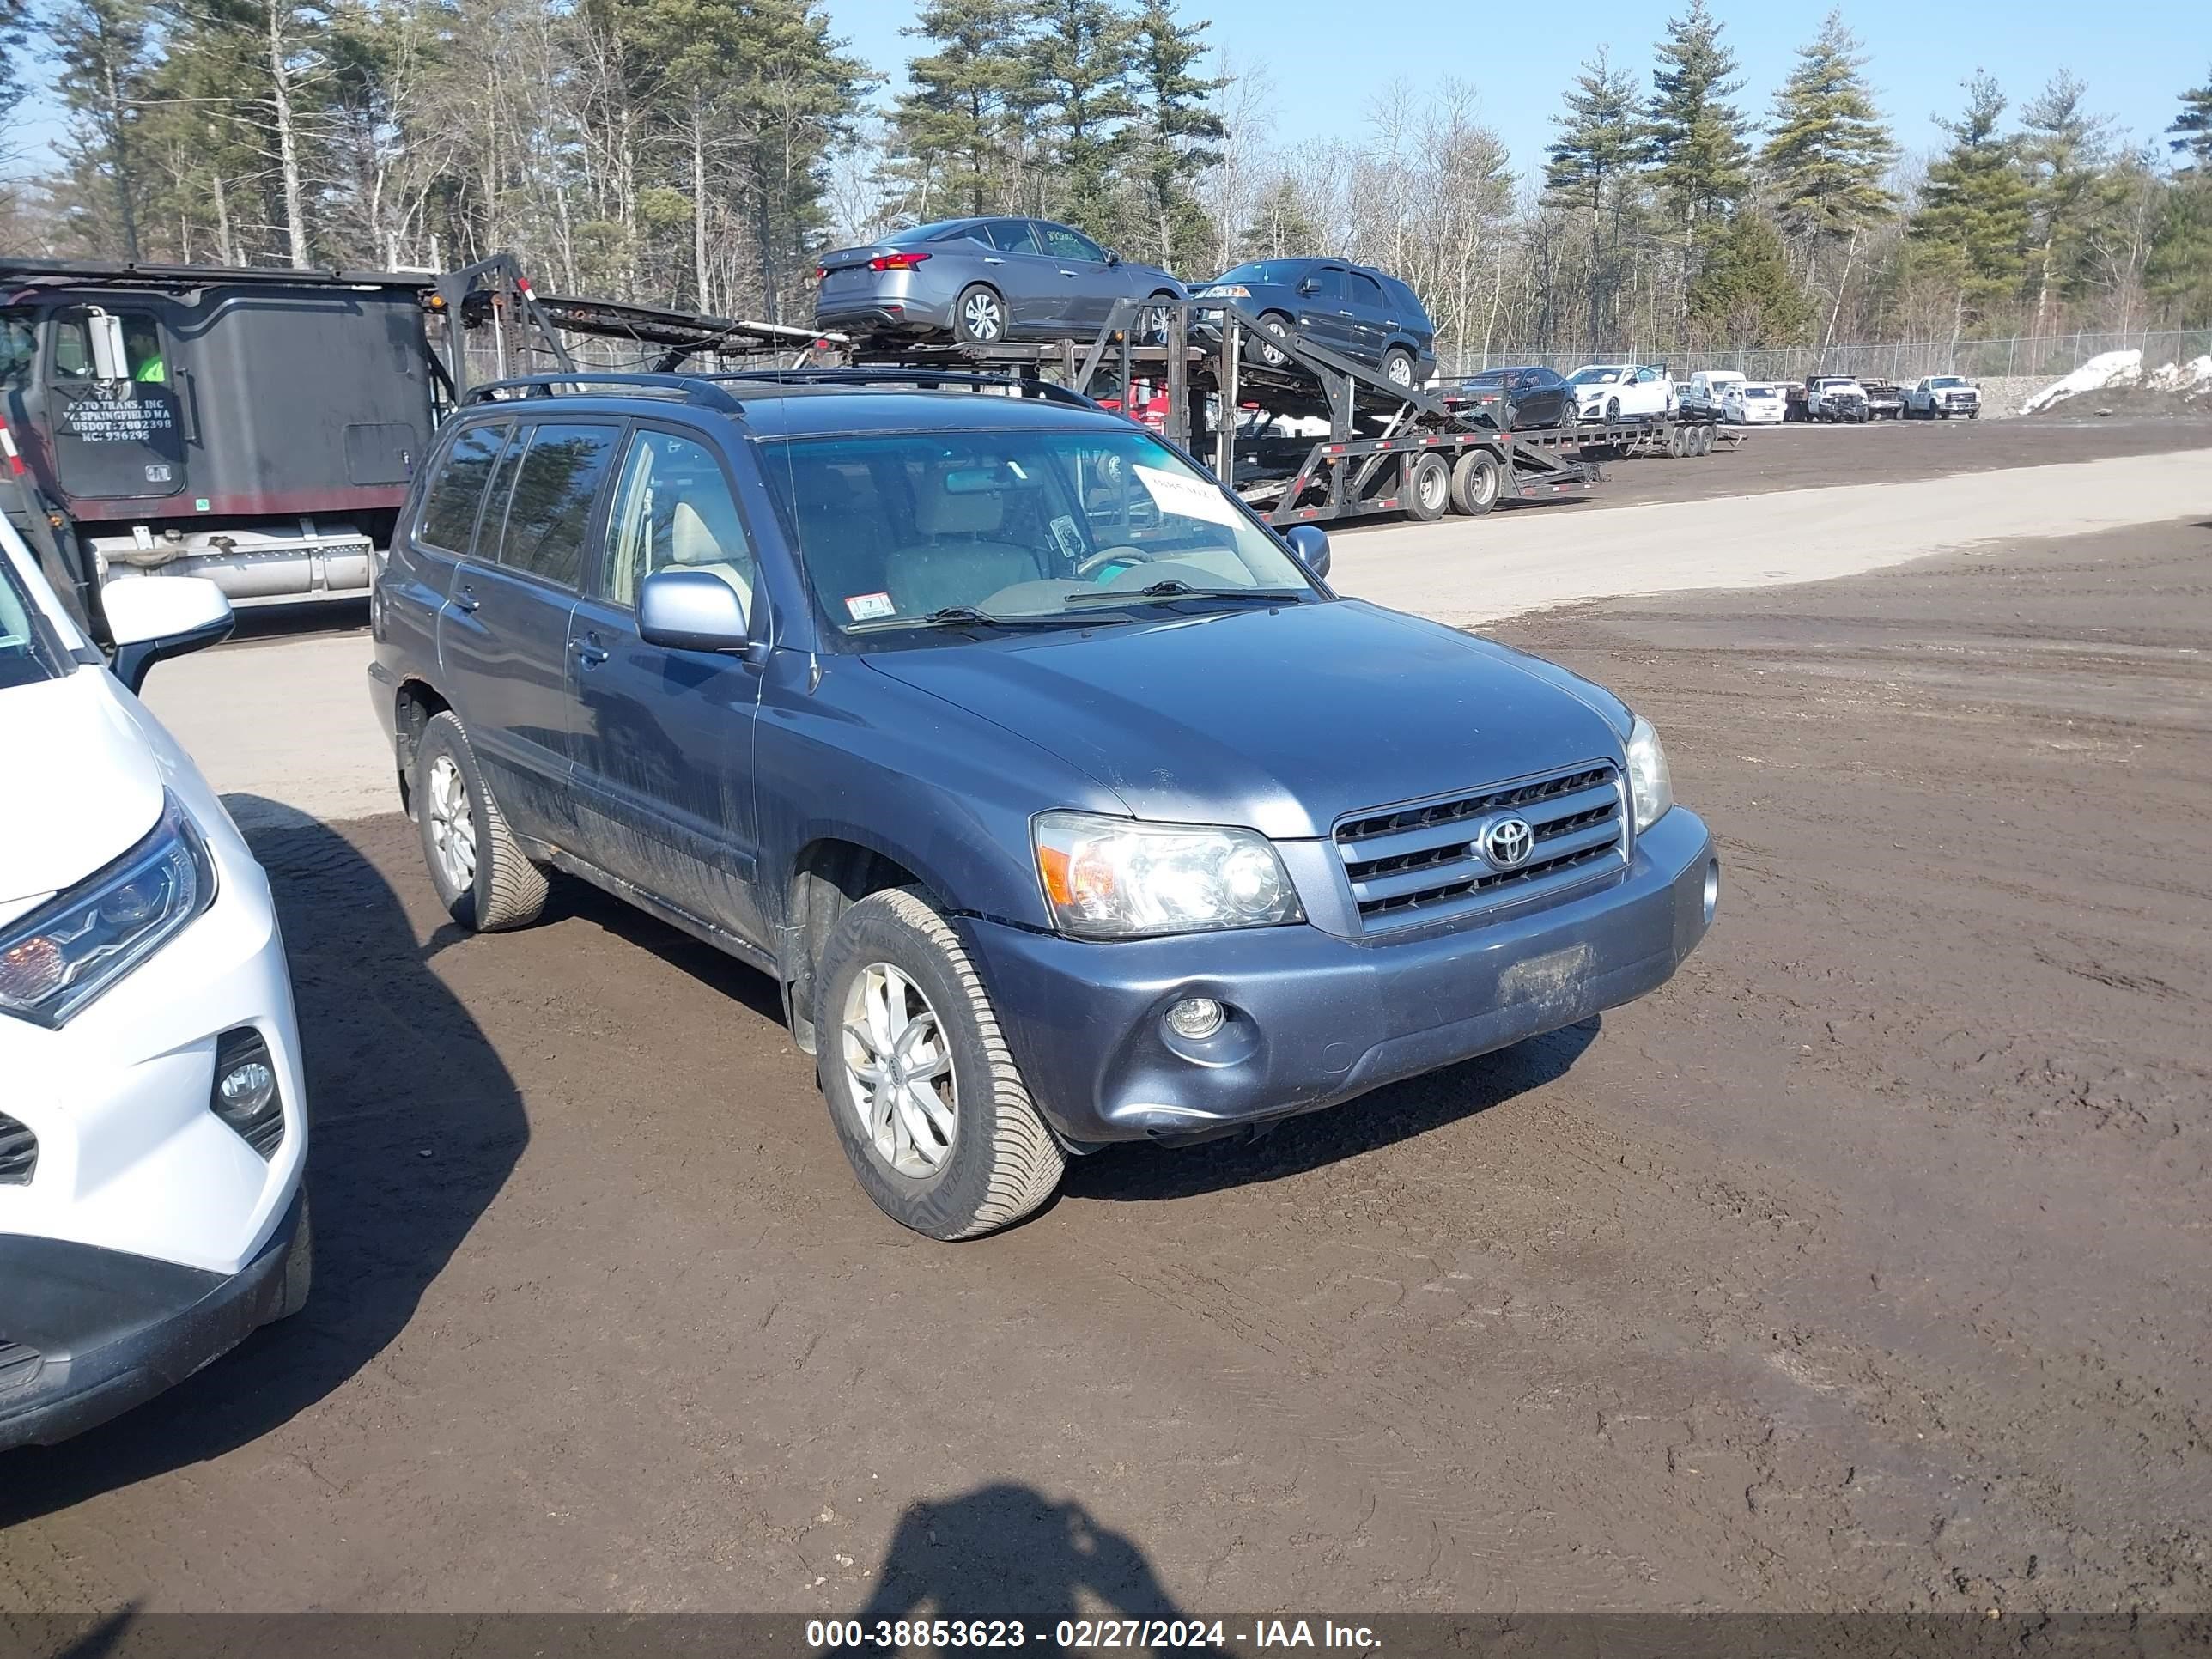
column 151, row 618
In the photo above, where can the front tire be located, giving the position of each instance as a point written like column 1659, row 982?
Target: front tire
column 299, row 1265
column 1278, row 325
column 482, row 877
column 979, row 316
column 933, row 1113
column 1612, row 411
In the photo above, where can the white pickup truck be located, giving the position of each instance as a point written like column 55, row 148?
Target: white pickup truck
column 1942, row 396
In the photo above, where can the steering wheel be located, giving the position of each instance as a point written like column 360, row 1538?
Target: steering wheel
column 1124, row 556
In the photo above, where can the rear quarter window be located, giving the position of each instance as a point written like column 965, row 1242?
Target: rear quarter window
column 457, row 487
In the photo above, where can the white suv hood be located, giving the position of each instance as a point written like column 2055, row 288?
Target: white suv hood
column 82, row 783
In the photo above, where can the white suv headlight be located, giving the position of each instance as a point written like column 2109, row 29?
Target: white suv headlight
column 76, row 946
column 1649, row 785
column 1108, row 878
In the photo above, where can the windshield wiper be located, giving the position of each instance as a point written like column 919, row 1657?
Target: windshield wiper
column 968, row 615
column 1176, row 589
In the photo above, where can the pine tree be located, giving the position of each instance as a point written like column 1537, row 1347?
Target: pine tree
column 2190, row 135
column 14, row 22
column 1972, row 226
column 105, row 50
column 1830, row 148
column 1282, row 226
column 2066, row 153
column 2179, row 272
column 1695, row 142
column 958, row 127
column 1591, row 167
column 1176, row 129
column 1078, row 95
column 1743, row 293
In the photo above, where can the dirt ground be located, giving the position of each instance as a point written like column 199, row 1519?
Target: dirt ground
column 1862, row 1267
column 1800, row 457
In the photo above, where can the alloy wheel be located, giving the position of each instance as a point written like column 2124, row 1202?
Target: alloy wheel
column 452, row 825
column 898, row 1065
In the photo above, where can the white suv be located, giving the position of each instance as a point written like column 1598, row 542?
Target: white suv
column 153, row 1125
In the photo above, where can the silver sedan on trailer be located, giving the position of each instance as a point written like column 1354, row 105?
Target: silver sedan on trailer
column 984, row 282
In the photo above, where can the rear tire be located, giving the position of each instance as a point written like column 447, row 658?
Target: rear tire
column 1475, row 483
column 979, row 316
column 482, row 877
column 997, row 1162
column 1398, row 369
column 1427, row 496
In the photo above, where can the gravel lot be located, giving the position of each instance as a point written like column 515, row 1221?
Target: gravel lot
column 1862, row 1267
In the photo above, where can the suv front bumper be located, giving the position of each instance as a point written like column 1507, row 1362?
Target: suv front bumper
column 1315, row 1020
column 87, row 1334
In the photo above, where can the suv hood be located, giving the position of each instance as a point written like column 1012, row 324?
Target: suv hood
column 82, row 786
column 1283, row 721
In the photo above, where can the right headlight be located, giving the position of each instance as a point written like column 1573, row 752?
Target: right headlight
column 75, row 946
column 1108, row 877
column 1650, row 786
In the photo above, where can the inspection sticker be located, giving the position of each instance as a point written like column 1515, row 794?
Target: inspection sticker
column 1191, row 498
column 866, row 607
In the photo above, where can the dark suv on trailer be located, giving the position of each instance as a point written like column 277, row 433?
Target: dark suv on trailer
column 1063, row 799
column 1363, row 313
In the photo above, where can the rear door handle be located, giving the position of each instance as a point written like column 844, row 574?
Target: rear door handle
column 466, row 599
column 590, row 652
column 988, row 260
column 1068, row 273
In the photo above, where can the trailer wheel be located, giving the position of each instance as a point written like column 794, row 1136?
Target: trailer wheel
column 1678, row 443
column 1427, row 496
column 1705, row 435
column 1475, row 483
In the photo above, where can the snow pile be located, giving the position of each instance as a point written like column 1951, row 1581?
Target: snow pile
column 2106, row 370
column 2191, row 380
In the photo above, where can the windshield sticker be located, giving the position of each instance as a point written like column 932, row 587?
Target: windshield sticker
column 866, row 607
column 1191, row 498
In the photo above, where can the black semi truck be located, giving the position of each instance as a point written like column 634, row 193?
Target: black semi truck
column 259, row 426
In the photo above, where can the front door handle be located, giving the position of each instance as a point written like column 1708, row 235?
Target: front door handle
column 466, row 599
column 988, row 260
column 1069, row 275
column 590, row 652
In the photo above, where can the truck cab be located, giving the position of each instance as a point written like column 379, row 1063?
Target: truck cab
column 178, row 421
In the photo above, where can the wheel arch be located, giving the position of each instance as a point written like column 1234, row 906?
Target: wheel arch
column 415, row 704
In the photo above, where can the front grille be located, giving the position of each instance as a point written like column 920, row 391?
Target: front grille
column 18, row 1365
column 1421, row 863
column 19, row 1153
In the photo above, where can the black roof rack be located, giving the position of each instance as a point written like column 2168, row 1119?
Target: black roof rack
column 920, row 376
column 693, row 388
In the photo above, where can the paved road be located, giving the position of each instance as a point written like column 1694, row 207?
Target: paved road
column 289, row 720
column 1862, row 1267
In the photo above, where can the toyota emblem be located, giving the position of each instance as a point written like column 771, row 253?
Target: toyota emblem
column 1507, row 843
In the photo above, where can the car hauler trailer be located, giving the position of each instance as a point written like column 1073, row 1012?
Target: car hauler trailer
column 257, row 426
column 1301, row 432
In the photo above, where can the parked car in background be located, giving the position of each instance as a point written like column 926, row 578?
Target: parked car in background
column 895, row 694
column 1357, row 310
column 1884, row 402
column 1517, row 400
column 1939, row 397
column 983, row 281
column 1709, row 388
column 1752, row 404
column 153, row 1119
column 1615, row 391
column 1827, row 398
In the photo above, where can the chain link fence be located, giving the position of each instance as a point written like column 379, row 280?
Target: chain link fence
column 2046, row 356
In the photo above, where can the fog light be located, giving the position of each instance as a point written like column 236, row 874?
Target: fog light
column 246, row 1095
column 1195, row 1018
column 1712, row 887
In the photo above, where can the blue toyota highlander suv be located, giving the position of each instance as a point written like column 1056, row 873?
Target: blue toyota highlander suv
column 1064, row 800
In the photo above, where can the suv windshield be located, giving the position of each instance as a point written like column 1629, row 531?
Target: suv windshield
column 28, row 651
column 1023, row 528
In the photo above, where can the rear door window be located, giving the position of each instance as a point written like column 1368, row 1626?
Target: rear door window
column 1365, row 290
column 1011, row 236
column 449, row 505
column 556, row 485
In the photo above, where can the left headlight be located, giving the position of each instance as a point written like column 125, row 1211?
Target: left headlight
column 1650, row 784
column 69, row 950
column 1108, row 878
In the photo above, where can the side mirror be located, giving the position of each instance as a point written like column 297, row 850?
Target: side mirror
column 1309, row 285
column 152, row 618
column 110, row 361
column 691, row 611
column 1310, row 547
column 1112, row 258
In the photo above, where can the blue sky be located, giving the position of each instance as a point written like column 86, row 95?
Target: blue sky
column 1328, row 59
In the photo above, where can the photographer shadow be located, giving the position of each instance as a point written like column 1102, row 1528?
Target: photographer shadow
column 1006, row 1552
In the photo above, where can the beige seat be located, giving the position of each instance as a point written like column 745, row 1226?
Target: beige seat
column 960, row 564
column 694, row 544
